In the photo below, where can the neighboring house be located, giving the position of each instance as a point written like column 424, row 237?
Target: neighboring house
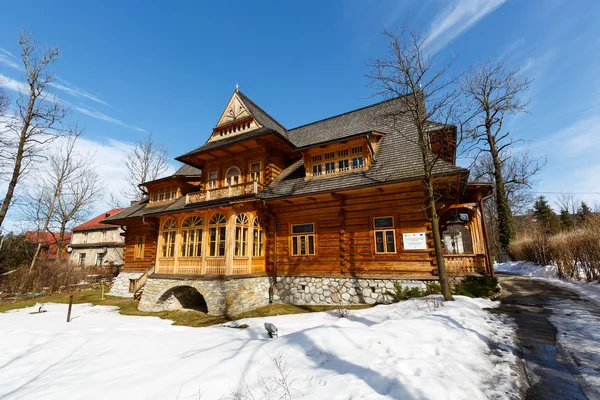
column 332, row 212
column 49, row 242
column 97, row 243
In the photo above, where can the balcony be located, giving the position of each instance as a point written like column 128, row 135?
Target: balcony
column 224, row 192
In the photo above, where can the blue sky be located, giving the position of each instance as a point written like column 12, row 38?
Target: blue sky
column 170, row 67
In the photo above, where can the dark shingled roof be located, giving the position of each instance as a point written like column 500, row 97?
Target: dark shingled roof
column 398, row 157
column 188, row 170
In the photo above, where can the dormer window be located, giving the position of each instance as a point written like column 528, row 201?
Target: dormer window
column 165, row 193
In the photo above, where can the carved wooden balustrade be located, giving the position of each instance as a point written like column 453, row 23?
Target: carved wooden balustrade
column 224, row 192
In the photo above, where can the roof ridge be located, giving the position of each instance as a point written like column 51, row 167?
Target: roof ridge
column 244, row 97
column 348, row 112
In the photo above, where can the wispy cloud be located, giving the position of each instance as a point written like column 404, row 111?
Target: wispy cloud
column 75, row 91
column 7, row 58
column 19, row 87
column 107, row 118
column 456, row 19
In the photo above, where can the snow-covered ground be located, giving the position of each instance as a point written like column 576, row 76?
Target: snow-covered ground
column 577, row 322
column 417, row 349
column 524, row 268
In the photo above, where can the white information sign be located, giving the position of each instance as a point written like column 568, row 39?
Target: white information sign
column 415, row 241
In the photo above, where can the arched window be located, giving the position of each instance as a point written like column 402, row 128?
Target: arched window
column 241, row 235
column 217, row 230
column 233, row 176
column 191, row 235
column 169, row 230
column 258, row 238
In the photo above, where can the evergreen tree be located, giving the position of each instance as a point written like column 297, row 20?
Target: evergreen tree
column 566, row 221
column 584, row 212
column 545, row 216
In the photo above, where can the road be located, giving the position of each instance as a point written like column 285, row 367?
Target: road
column 559, row 334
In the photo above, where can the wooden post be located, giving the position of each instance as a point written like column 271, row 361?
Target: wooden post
column 102, row 285
column 70, row 306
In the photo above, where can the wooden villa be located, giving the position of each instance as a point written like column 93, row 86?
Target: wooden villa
column 332, row 212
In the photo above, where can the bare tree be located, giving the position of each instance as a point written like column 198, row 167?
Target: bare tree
column 36, row 118
column 519, row 171
column 79, row 192
column 145, row 162
column 427, row 95
column 567, row 202
column 494, row 91
column 69, row 185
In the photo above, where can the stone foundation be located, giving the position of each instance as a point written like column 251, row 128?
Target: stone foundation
column 120, row 285
column 222, row 297
column 300, row 290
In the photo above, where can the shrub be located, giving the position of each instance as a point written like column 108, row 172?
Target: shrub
column 575, row 253
column 46, row 276
column 432, row 288
column 401, row 293
column 477, row 286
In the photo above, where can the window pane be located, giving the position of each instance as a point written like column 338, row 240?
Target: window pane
column 295, row 245
column 386, row 222
column 379, row 247
column 391, row 247
column 311, row 244
column 304, row 228
column 302, row 245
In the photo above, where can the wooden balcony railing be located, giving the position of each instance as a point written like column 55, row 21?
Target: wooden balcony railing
column 210, row 266
column 464, row 264
column 224, row 192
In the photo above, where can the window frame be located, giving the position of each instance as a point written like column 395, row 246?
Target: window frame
column 258, row 238
column 296, row 239
column 196, row 243
column 138, row 249
column 252, row 172
column 168, row 239
column 220, row 237
column 212, row 183
column 385, row 231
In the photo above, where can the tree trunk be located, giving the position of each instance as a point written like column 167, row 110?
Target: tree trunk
column 10, row 191
column 437, row 242
column 61, row 238
column 506, row 228
column 46, row 224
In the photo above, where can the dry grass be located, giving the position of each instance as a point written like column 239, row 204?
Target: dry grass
column 186, row 318
column 573, row 252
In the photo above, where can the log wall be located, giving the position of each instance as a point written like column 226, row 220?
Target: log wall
column 345, row 236
column 136, row 229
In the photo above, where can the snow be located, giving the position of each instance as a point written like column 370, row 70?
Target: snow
column 416, row 349
column 577, row 322
column 590, row 290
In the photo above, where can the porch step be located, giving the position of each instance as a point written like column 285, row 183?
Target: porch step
column 138, row 295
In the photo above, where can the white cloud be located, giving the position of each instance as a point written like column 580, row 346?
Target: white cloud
column 16, row 86
column 75, row 91
column 104, row 117
column 7, row 58
column 456, row 19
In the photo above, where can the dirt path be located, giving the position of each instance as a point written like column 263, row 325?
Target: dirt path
column 535, row 304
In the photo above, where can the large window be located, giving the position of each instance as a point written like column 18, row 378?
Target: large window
column 217, row 230
column 303, row 240
column 233, row 176
column 169, row 230
column 241, row 235
column 191, row 237
column 385, row 235
column 258, row 238
column 81, row 259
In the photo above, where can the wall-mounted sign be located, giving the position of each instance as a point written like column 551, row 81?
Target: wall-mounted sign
column 415, row 241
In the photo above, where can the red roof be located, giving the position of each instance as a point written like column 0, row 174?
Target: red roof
column 95, row 223
column 48, row 240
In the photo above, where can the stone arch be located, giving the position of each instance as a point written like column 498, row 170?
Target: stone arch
column 182, row 297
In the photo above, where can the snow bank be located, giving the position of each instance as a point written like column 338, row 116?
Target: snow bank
column 525, row 268
column 417, row 349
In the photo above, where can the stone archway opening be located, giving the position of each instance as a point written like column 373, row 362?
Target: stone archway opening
column 183, row 298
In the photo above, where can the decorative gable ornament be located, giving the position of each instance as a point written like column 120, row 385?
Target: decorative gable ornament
column 235, row 119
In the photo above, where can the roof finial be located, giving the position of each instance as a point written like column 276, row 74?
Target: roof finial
column 237, row 87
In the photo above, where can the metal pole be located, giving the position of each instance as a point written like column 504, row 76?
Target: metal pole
column 70, row 305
